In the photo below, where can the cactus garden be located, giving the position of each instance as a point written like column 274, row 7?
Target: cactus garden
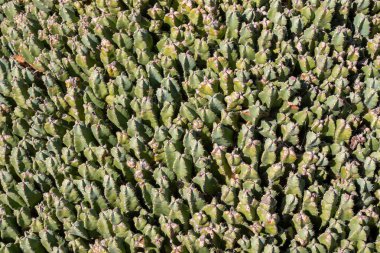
column 189, row 126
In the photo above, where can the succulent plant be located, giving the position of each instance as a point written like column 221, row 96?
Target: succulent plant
column 189, row 126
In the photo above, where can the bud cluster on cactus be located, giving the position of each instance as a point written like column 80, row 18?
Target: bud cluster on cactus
column 189, row 126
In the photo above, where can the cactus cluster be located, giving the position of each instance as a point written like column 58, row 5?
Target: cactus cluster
column 189, row 126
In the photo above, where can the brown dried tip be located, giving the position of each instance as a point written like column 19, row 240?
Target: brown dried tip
column 21, row 60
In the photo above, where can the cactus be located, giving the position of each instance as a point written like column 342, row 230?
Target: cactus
column 189, row 126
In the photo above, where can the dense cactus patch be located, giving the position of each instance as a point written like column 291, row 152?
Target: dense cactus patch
column 189, row 126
